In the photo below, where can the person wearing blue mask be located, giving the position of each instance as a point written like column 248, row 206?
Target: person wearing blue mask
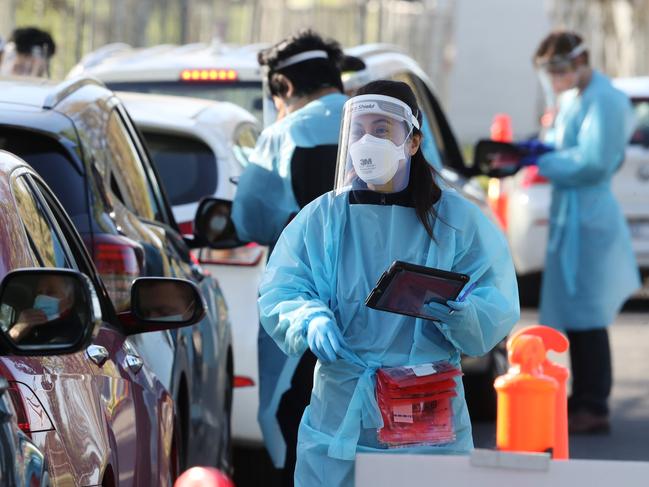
column 590, row 268
column 293, row 162
column 44, row 320
column 386, row 206
column 165, row 301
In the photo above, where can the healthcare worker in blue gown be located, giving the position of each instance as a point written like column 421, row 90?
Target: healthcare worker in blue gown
column 294, row 162
column 590, row 266
column 386, row 206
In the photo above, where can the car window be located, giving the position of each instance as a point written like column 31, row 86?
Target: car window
column 244, row 141
column 127, row 172
column 641, row 133
column 53, row 163
column 42, row 234
column 175, row 155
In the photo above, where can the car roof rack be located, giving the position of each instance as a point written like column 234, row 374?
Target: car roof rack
column 65, row 88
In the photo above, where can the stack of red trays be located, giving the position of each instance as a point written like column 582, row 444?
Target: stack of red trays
column 415, row 403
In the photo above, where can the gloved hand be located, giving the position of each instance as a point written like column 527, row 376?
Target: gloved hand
column 324, row 339
column 529, row 160
column 533, row 147
column 450, row 313
column 531, row 150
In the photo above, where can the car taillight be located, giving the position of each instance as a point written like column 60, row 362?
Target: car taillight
column 186, row 228
column 248, row 256
column 19, row 408
column 498, row 201
column 119, row 260
column 30, row 414
column 223, row 75
column 243, row 381
column 531, row 177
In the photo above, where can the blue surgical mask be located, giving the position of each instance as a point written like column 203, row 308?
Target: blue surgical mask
column 48, row 305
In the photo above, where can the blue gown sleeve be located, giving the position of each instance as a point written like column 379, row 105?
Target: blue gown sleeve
column 601, row 142
column 256, row 210
column 295, row 282
column 493, row 306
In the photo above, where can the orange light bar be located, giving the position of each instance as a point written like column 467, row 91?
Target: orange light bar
column 209, row 75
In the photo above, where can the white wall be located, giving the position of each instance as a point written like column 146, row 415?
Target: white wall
column 492, row 70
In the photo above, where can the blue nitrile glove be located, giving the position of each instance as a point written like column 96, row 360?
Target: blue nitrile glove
column 450, row 313
column 531, row 150
column 533, row 147
column 324, row 339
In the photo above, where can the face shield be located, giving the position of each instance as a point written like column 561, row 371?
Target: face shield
column 374, row 146
column 559, row 74
column 19, row 64
column 271, row 114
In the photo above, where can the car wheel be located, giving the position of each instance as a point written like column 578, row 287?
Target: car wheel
column 479, row 388
column 175, row 454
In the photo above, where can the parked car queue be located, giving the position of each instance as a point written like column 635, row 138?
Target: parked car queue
column 129, row 409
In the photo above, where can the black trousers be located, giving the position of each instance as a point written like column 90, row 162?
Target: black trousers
column 290, row 410
column 592, row 378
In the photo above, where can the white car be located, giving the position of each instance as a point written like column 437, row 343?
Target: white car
column 199, row 148
column 522, row 202
column 160, row 70
column 216, row 71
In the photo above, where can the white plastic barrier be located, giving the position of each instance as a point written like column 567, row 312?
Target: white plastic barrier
column 488, row 468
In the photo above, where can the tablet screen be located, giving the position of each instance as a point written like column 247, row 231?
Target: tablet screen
column 408, row 291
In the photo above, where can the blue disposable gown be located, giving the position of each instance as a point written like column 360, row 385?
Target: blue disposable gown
column 262, row 206
column 326, row 263
column 590, row 267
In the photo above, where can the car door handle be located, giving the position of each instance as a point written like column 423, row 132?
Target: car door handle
column 97, row 354
column 133, row 362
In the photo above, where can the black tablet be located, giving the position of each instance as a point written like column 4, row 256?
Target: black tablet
column 405, row 288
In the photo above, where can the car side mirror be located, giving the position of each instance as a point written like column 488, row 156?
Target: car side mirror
column 496, row 159
column 47, row 311
column 160, row 303
column 213, row 225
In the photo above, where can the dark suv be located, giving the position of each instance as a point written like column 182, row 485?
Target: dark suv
column 80, row 139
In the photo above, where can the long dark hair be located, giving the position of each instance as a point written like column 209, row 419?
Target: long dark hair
column 422, row 184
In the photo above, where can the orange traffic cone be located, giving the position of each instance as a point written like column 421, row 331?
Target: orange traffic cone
column 526, row 399
column 501, row 128
column 557, row 342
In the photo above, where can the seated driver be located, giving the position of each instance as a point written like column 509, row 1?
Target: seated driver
column 166, row 301
column 52, row 306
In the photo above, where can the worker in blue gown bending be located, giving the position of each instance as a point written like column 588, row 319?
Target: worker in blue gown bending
column 386, row 206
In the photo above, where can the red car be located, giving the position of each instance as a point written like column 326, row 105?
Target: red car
column 100, row 416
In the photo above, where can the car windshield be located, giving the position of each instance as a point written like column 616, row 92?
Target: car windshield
column 246, row 94
column 641, row 133
column 174, row 155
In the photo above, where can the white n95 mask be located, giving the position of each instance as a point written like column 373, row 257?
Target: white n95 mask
column 376, row 160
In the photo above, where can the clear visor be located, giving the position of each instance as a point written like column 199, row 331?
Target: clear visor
column 17, row 64
column 271, row 113
column 374, row 146
column 561, row 64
